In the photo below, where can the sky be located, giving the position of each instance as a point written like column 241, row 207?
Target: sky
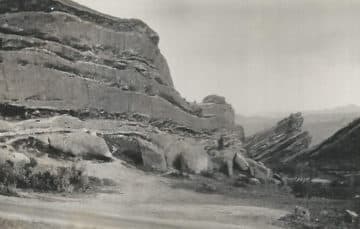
column 262, row 55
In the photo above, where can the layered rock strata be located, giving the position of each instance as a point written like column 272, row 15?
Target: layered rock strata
column 276, row 145
column 339, row 154
column 56, row 53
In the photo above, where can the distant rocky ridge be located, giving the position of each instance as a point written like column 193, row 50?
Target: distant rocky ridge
column 274, row 146
column 58, row 54
column 321, row 124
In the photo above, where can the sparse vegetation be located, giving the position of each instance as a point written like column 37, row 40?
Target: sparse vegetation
column 59, row 179
column 325, row 214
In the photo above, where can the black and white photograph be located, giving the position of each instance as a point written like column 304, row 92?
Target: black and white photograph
column 179, row 114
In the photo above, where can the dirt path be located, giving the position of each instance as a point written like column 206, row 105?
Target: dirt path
column 141, row 201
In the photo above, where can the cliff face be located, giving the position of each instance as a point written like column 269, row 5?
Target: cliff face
column 56, row 53
column 276, row 145
column 216, row 107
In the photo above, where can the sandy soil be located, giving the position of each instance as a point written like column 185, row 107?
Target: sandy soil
column 139, row 201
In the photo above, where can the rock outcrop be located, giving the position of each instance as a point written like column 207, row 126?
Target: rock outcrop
column 215, row 107
column 8, row 154
column 80, row 144
column 273, row 147
column 56, row 53
column 339, row 154
column 79, row 85
column 214, row 99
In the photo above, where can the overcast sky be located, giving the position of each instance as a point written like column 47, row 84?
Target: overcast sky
column 262, row 55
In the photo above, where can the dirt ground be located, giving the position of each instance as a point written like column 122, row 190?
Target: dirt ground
column 139, row 200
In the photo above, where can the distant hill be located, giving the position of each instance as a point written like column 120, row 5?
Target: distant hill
column 320, row 123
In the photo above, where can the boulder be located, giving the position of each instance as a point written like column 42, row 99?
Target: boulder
column 351, row 216
column 7, row 153
column 240, row 162
column 137, row 151
column 254, row 181
column 80, row 144
column 228, row 153
column 185, row 154
column 195, row 161
column 153, row 157
column 258, row 170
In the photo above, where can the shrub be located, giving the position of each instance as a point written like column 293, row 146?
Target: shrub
column 63, row 179
column 8, row 176
column 60, row 179
column 132, row 87
column 149, row 90
column 8, row 179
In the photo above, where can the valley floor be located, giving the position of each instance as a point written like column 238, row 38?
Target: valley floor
column 139, row 201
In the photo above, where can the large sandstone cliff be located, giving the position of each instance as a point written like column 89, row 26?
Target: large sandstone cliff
column 58, row 54
column 76, row 85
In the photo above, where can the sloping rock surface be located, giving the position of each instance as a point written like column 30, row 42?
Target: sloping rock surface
column 56, row 53
column 274, row 146
column 338, row 154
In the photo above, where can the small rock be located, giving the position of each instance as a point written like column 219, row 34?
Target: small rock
column 351, row 216
column 302, row 213
column 36, row 112
column 206, row 188
column 254, row 181
column 278, row 180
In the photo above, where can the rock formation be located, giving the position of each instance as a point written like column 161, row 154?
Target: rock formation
column 77, row 85
column 214, row 99
column 216, row 107
column 339, row 154
column 274, row 146
column 58, row 54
